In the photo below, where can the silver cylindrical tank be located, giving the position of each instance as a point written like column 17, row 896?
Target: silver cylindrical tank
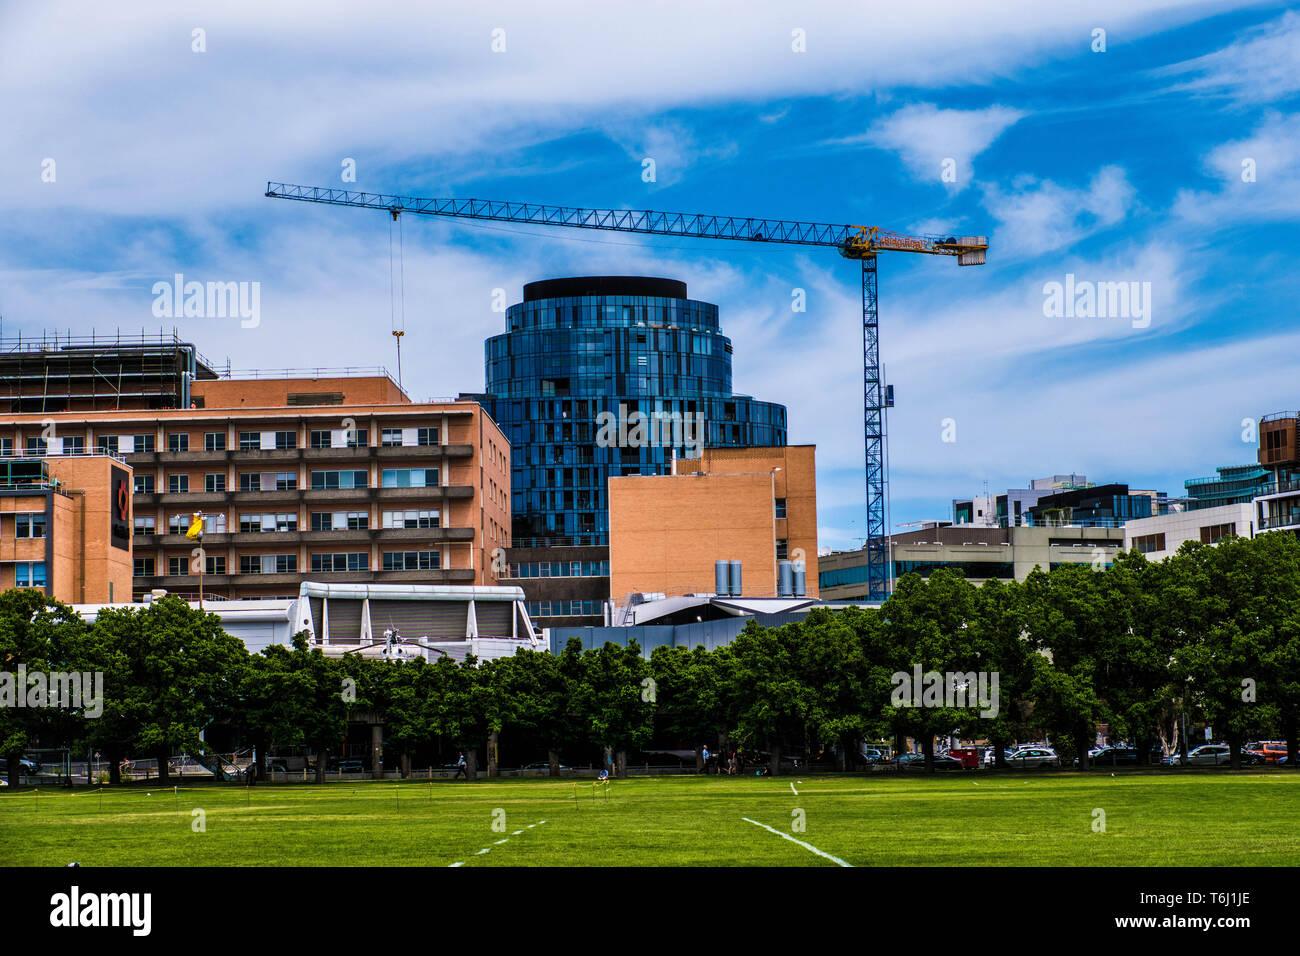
column 721, row 578
column 800, row 579
column 785, row 580
column 736, row 587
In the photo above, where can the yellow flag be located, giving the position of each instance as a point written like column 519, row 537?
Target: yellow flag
column 196, row 528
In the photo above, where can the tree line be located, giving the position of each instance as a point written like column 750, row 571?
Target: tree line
column 1210, row 636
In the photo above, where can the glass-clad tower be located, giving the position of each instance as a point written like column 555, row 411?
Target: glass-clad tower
column 579, row 347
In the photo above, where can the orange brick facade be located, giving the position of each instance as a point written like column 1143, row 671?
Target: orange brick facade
column 666, row 532
column 82, row 564
column 254, row 472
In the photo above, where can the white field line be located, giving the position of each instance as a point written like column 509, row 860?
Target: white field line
column 807, row 846
column 796, row 792
column 488, row 849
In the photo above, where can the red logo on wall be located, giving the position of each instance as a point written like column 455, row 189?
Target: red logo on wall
column 123, row 501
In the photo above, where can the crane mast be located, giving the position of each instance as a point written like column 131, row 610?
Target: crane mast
column 853, row 242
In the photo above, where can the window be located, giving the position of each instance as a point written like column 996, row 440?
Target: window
column 424, row 518
column 214, row 441
column 106, row 444
column 215, row 564
column 178, row 524
column 178, row 484
column 780, row 507
column 144, row 444
column 178, row 567
column 268, row 563
column 37, row 445
column 1148, row 543
column 145, row 524
column 358, row 438
column 388, row 437
column 338, row 479
column 410, row 478
column 250, row 481
column 179, row 441
column 321, row 438
column 1212, row 534
column 75, row 445
column 29, row 526
column 412, row 560
column 426, row 436
column 250, row 441
column 214, row 483
column 6, row 447
column 144, row 484
column 286, row 481
column 782, row 549
column 340, row 521
column 285, row 440
column 350, row 561
column 29, row 574
column 258, row 523
column 142, row 567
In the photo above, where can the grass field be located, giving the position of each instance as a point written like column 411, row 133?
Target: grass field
column 1152, row 819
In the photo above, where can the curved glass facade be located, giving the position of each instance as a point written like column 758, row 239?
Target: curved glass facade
column 582, row 352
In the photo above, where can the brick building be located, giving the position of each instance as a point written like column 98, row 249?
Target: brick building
column 757, row 506
column 65, row 527
column 336, row 478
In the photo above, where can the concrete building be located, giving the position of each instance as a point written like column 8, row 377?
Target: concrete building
column 1159, row 536
column 432, row 621
column 757, row 506
column 335, row 478
column 65, row 527
column 980, row 554
column 1009, row 509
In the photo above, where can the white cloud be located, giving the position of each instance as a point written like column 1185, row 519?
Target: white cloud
column 937, row 145
column 1263, row 68
column 1271, row 191
column 1037, row 216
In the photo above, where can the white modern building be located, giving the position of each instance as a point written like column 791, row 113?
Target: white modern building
column 398, row 621
column 1159, row 536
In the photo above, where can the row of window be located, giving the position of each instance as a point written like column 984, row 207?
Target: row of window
column 288, row 481
column 288, row 521
column 564, row 608
column 216, row 441
column 559, row 569
column 182, row 565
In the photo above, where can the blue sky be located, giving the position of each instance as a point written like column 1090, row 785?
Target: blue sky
column 1122, row 165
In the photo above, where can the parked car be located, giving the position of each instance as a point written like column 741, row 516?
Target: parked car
column 1113, row 757
column 917, row 762
column 1029, row 758
column 1207, row 755
column 1265, row 751
column 538, row 765
column 871, row 755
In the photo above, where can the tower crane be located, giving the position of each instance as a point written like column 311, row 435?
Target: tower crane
column 863, row 243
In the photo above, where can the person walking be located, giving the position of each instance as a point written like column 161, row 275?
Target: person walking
column 704, row 752
column 462, row 767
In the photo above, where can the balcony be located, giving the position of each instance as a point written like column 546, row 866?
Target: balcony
column 417, row 494
column 245, row 456
column 1275, row 522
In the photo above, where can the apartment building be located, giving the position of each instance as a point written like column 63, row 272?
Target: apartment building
column 1277, row 505
column 330, row 479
